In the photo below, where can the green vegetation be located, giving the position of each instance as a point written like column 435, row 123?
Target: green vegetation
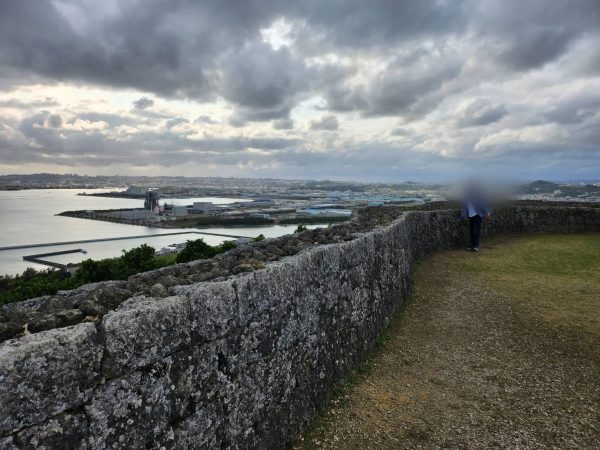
column 32, row 283
column 199, row 221
column 260, row 237
column 166, row 260
column 136, row 260
column 555, row 278
column 198, row 249
column 301, row 228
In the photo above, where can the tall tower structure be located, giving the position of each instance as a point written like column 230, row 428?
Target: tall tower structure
column 152, row 197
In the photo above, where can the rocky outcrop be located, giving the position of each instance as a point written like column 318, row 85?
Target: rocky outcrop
column 242, row 361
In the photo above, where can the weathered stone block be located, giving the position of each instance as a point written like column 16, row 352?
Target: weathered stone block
column 46, row 373
column 132, row 411
column 194, row 375
column 200, row 430
column 7, row 443
column 65, row 431
column 145, row 331
column 214, row 309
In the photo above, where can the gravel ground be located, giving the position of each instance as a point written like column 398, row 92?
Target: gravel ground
column 468, row 365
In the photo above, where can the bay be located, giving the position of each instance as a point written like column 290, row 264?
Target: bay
column 29, row 217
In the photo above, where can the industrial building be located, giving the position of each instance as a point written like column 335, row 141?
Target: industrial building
column 152, row 197
column 136, row 190
column 325, row 212
column 203, row 207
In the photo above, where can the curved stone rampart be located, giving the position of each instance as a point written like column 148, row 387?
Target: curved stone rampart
column 240, row 362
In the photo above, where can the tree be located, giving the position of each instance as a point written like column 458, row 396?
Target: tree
column 91, row 271
column 197, row 249
column 301, row 228
column 225, row 246
column 137, row 259
column 260, row 237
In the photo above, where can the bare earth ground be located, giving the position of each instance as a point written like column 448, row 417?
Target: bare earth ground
column 495, row 349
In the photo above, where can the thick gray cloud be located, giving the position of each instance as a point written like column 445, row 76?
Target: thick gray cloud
column 404, row 87
column 54, row 121
column 328, row 123
column 143, row 103
column 480, row 113
column 205, row 120
column 283, row 124
column 17, row 103
column 175, row 121
column 575, row 109
column 143, row 148
column 528, row 34
column 207, row 48
column 113, row 120
column 468, row 79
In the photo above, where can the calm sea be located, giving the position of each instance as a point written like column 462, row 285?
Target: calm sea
column 29, row 217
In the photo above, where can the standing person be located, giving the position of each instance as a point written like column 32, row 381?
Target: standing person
column 475, row 209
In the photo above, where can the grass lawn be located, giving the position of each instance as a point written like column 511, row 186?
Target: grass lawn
column 166, row 260
column 554, row 277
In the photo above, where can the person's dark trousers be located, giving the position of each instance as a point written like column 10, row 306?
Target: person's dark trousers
column 475, row 229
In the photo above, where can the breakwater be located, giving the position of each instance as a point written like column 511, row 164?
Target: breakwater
column 38, row 258
column 242, row 358
column 119, row 238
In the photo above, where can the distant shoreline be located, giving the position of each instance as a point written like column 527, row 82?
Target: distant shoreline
column 201, row 222
column 32, row 188
column 123, row 194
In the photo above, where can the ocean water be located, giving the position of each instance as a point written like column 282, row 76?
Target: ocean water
column 29, row 217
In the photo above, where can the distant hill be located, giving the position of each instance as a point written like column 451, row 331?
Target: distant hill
column 563, row 190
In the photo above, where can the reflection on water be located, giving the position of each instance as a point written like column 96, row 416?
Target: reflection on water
column 28, row 217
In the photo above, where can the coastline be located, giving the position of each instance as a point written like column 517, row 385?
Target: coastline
column 203, row 221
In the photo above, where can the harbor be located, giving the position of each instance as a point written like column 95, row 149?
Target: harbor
column 30, row 218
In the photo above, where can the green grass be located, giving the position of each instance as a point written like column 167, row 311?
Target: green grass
column 166, row 260
column 555, row 277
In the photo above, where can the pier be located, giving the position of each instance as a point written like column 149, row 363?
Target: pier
column 38, row 258
column 119, row 238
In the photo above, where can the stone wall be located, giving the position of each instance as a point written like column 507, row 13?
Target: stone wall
column 244, row 361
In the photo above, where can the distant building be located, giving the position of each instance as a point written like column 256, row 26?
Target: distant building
column 178, row 210
column 326, row 206
column 258, row 215
column 326, row 212
column 136, row 190
column 263, row 201
column 131, row 214
column 152, row 197
column 256, row 202
column 202, row 207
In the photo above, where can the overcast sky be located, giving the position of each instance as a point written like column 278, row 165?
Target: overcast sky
column 385, row 90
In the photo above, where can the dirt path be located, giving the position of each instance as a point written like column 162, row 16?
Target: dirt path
column 474, row 362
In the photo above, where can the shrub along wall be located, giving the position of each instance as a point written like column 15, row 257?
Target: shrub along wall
column 242, row 362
